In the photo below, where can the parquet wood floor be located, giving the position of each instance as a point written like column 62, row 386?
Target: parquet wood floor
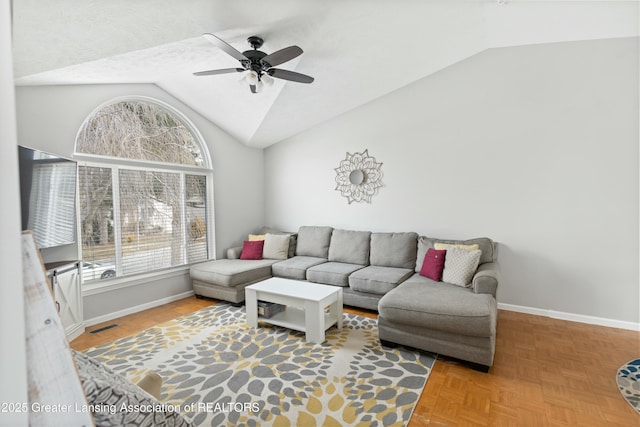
column 547, row 372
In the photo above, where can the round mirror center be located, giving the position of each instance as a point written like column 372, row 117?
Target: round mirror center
column 356, row 177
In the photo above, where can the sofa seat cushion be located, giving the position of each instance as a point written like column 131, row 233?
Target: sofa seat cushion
column 421, row 302
column 296, row 267
column 378, row 280
column 332, row 273
column 231, row 272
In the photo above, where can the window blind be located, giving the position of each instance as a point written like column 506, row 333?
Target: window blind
column 154, row 220
column 52, row 203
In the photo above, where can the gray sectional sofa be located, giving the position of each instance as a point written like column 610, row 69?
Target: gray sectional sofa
column 378, row 271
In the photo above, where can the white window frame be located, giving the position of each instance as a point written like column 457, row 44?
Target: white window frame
column 117, row 163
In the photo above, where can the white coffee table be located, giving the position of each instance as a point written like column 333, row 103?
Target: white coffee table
column 305, row 303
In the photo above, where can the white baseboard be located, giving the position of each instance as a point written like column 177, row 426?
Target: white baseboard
column 591, row 320
column 75, row 332
column 131, row 310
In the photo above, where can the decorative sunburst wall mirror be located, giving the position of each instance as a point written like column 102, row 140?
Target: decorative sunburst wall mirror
column 358, row 177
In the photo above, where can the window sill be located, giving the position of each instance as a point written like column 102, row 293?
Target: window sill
column 98, row 287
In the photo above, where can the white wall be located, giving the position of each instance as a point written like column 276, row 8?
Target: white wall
column 13, row 363
column 535, row 147
column 49, row 118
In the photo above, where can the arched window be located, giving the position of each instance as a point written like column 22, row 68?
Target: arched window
column 145, row 181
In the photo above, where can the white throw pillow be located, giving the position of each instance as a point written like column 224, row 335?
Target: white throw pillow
column 460, row 265
column 276, row 246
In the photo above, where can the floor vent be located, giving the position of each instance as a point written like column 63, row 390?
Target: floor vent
column 104, row 328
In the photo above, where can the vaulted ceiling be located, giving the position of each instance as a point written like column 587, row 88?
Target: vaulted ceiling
column 357, row 50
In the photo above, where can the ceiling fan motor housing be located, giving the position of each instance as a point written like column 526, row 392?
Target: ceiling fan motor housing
column 255, row 56
column 254, row 60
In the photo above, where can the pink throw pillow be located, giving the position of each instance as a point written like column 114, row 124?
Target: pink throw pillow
column 252, row 249
column 433, row 264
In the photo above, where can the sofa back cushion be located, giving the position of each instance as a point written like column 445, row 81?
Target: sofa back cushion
column 351, row 247
column 486, row 245
column 394, row 249
column 314, row 241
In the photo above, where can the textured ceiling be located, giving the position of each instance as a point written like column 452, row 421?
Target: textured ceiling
column 357, row 50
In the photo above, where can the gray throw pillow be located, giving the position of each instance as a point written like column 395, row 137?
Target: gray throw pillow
column 293, row 238
column 276, row 246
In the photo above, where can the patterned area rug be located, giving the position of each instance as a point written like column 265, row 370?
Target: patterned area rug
column 218, row 371
column 628, row 380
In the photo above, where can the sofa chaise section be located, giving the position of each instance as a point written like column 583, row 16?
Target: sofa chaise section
column 440, row 318
column 445, row 318
column 225, row 279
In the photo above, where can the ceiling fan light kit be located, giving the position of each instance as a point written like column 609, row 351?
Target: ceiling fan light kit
column 257, row 65
column 252, row 78
column 259, row 82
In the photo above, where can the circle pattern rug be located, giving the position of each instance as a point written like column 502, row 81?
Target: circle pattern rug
column 628, row 380
column 217, row 370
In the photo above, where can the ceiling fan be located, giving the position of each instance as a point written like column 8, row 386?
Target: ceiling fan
column 257, row 65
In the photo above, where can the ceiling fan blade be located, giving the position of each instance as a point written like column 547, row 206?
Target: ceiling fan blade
column 221, row 71
column 289, row 75
column 225, row 46
column 283, row 55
